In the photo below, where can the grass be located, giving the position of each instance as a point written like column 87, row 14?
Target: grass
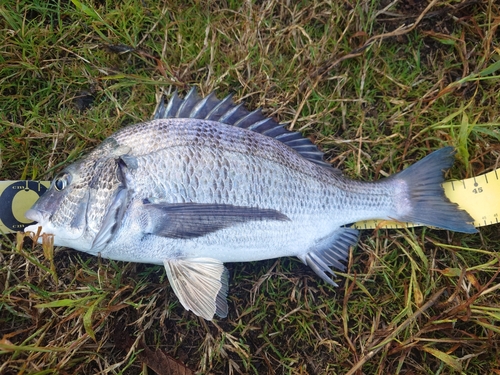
column 415, row 301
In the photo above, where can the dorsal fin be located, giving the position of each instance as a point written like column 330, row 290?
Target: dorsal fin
column 227, row 112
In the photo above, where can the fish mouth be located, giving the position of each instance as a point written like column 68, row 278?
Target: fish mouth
column 37, row 216
column 34, row 215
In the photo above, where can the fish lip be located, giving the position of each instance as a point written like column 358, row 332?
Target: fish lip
column 39, row 219
column 34, row 215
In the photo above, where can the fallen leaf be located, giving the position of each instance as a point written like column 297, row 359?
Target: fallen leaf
column 157, row 360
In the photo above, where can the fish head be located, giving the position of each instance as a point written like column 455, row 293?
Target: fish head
column 79, row 201
column 62, row 209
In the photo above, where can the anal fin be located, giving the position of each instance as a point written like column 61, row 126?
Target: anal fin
column 331, row 251
column 201, row 284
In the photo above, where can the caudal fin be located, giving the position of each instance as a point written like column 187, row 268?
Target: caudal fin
column 429, row 205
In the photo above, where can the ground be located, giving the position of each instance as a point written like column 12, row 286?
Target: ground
column 377, row 85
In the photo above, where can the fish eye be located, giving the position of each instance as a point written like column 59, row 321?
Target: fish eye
column 61, row 182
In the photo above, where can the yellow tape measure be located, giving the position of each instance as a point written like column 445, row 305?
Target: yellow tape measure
column 16, row 197
column 481, row 199
column 479, row 196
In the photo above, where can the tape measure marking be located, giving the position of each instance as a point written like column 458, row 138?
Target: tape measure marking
column 483, row 204
column 16, row 197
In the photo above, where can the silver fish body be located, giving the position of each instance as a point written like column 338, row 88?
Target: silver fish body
column 207, row 182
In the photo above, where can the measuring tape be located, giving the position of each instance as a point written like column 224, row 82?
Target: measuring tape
column 479, row 196
column 17, row 197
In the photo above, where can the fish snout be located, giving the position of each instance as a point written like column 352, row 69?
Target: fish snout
column 38, row 217
column 34, row 215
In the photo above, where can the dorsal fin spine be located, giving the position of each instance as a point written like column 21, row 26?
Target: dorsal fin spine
column 187, row 105
column 246, row 117
column 259, row 123
column 225, row 118
column 228, row 100
column 204, row 106
column 173, row 105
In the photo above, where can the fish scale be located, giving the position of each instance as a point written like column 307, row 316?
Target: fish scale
column 175, row 173
column 207, row 182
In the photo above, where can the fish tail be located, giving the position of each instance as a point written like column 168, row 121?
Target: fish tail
column 428, row 204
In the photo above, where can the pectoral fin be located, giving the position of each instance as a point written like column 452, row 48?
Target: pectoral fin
column 201, row 285
column 112, row 220
column 116, row 209
column 191, row 220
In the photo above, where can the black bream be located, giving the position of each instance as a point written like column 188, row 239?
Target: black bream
column 208, row 182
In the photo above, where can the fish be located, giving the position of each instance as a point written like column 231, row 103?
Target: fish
column 206, row 182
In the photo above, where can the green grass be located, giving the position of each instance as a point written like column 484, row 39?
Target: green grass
column 416, row 301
